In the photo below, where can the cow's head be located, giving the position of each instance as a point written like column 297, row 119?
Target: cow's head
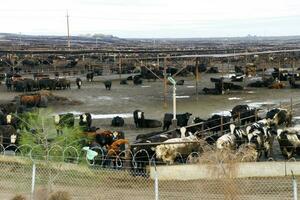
column 84, row 118
column 8, row 119
column 13, row 139
column 182, row 132
column 254, row 137
column 56, row 119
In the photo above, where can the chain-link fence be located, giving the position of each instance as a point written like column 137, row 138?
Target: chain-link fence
column 40, row 180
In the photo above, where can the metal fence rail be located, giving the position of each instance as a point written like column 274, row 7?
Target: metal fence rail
column 42, row 179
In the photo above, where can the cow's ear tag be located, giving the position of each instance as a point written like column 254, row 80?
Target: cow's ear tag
column 153, row 148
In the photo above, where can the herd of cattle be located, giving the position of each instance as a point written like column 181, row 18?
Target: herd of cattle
column 273, row 80
column 244, row 127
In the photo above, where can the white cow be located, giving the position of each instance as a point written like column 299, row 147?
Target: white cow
column 169, row 152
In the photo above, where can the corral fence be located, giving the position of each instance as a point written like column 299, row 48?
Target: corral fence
column 39, row 180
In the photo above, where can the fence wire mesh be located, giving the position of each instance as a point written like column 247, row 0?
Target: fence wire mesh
column 82, row 181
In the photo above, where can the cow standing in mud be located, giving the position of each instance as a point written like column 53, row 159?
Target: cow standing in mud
column 85, row 121
column 31, row 100
column 182, row 120
column 107, row 84
column 8, row 136
column 78, row 83
column 64, row 121
column 138, row 117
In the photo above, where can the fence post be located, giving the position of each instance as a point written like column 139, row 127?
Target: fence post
column 295, row 194
column 256, row 117
column 156, row 183
column 33, row 181
column 222, row 125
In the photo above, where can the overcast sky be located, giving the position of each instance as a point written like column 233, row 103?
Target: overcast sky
column 152, row 18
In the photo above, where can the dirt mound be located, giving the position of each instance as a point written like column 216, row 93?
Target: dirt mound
column 53, row 99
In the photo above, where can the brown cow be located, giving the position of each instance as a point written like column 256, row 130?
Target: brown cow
column 30, row 100
column 277, row 85
column 114, row 148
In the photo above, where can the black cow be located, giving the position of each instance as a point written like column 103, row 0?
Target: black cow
column 213, row 91
column 137, row 80
column 64, row 121
column 281, row 75
column 244, row 113
column 216, row 80
column 46, row 83
column 143, row 154
column 151, row 123
column 182, row 120
column 117, row 121
column 236, row 78
column 238, row 70
column 63, row 84
column 2, row 118
column 213, row 70
column 180, row 82
column 214, row 123
column 30, row 85
column 293, row 83
column 266, row 82
column 138, row 117
column 123, row 82
column 85, row 121
column 8, row 83
column 90, row 76
column 8, row 136
column 107, row 84
column 78, row 83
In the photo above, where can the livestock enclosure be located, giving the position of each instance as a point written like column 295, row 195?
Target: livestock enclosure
column 40, row 179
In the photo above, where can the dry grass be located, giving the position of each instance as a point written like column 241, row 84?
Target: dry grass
column 58, row 99
column 224, row 164
column 18, row 197
column 60, row 195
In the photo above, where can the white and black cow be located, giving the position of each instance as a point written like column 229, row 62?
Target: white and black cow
column 262, row 134
column 232, row 140
column 138, row 117
column 78, row 83
column 8, row 136
column 141, row 122
column 289, row 141
column 279, row 116
column 182, row 120
column 64, row 121
column 85, row 121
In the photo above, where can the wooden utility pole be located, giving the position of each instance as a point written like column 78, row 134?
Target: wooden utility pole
column 165, row 82
column 68, row 29
column 120, row 66
column 197, row 76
